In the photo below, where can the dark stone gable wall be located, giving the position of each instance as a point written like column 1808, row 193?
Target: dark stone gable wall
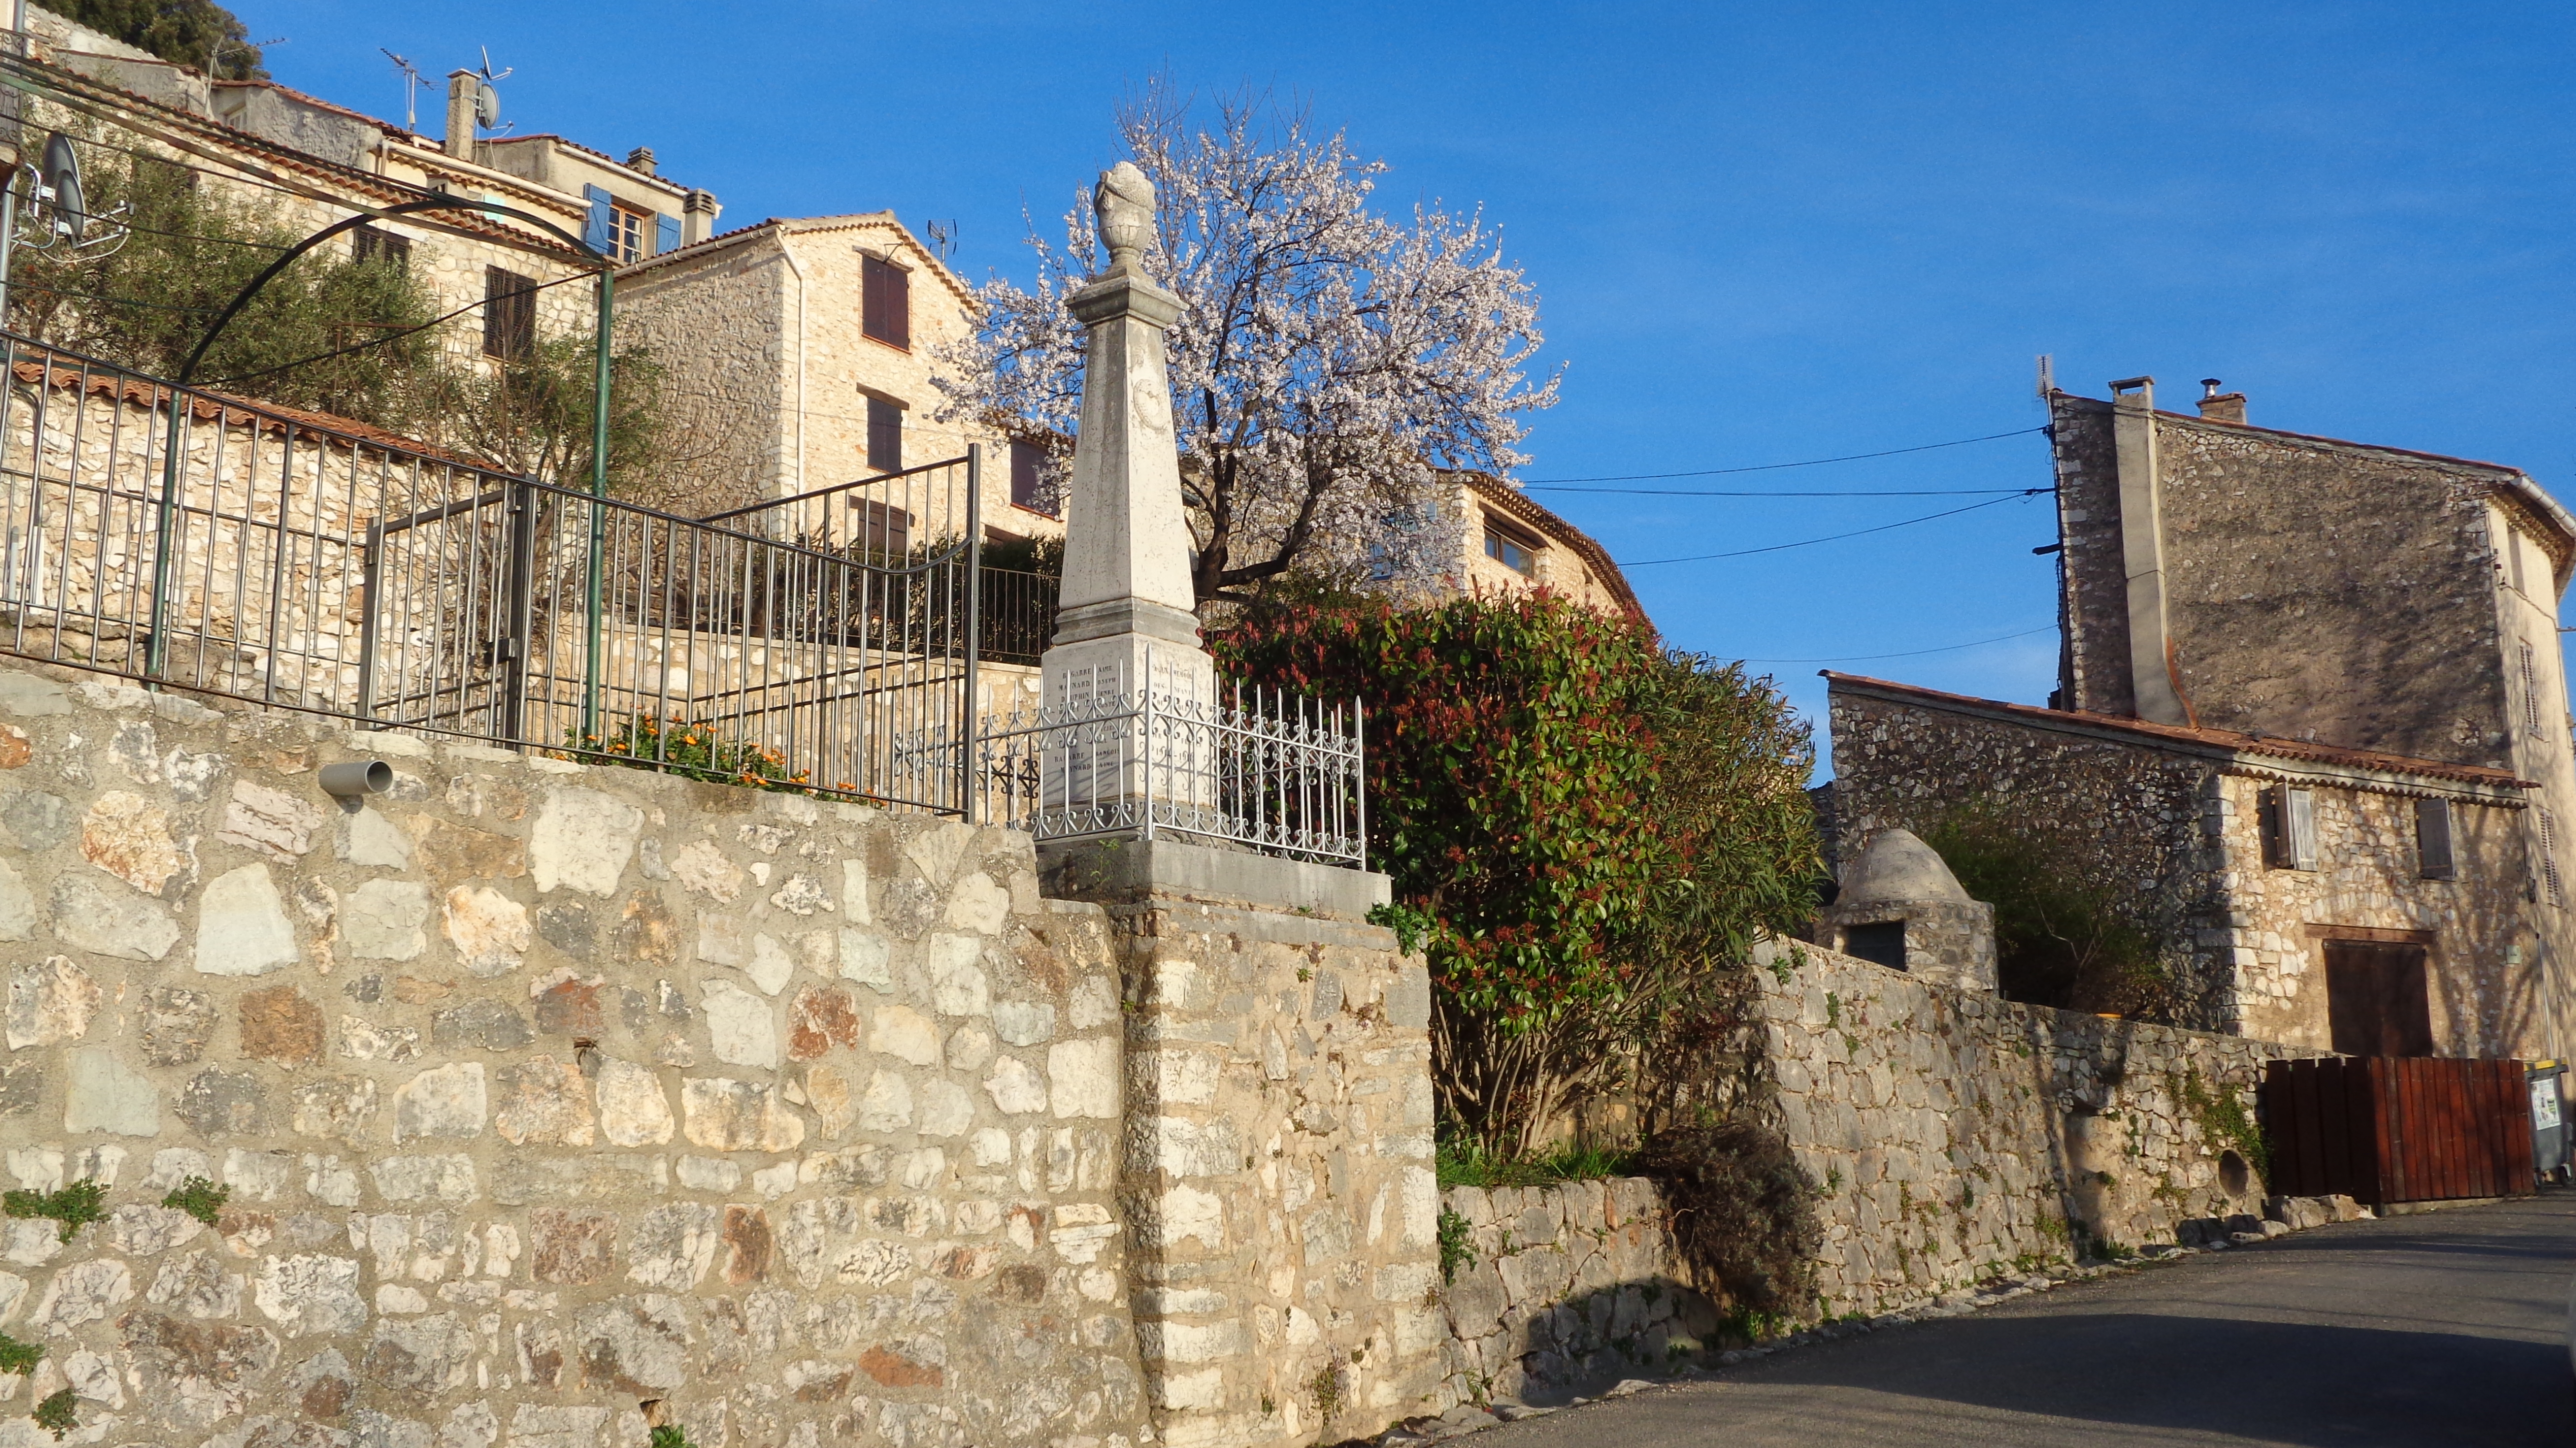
column 2314, row 591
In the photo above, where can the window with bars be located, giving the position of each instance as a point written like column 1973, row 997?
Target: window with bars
column 2549, row 876
column 2433, row 858
column 885, row 436
column 885, row 302
column 509, row 313
column 374, row 243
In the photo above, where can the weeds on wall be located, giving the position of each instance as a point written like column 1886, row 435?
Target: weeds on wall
column 2223, row 1119
column 70, row 1208
column 699, row 751
column 199, row 1198
column 56, row 1414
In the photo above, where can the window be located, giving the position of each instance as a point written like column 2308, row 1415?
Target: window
column 2376, row 1004
column 509, row 313
column 2433, row 840
column 2290, row 828
column 1511, row 547
column 627, row 230
column 373, row 243
column 1881, row 942
column 2549, row 877
column 1030, row 486
column 880, row 528
column 2530, row 694
column 885, row 301
column 885, row 436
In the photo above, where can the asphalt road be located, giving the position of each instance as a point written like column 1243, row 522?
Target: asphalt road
column 2424, row 1331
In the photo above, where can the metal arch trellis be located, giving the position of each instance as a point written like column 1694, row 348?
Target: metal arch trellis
column 599, row 405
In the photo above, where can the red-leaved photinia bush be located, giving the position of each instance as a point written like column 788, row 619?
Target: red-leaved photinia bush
column 1589, row 830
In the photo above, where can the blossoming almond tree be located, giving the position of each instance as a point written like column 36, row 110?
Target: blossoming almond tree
column 1327, row 360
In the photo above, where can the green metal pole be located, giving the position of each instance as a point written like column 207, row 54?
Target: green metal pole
column 598, row 511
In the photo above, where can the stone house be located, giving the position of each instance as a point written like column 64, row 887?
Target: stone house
column 308, row 162
column 1508, row 543
column 2232, row 596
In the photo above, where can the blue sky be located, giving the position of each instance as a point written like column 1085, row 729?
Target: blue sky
column 1760, row 233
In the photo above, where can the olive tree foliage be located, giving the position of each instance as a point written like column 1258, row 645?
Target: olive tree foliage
column 1327, row 359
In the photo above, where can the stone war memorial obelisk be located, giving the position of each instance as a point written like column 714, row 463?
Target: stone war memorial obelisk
column 1276, row 1186
column 1127, row 595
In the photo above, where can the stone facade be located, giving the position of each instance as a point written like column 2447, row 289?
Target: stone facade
column 2305, row 587
column 1279, row 1180
column 545, row 1092
column 1464, row 508
column 1564, row 1286
column 2176, row 814
column 1955, row 1134
column 767, row 325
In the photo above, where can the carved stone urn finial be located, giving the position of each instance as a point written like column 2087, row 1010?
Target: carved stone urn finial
column 1125, row 201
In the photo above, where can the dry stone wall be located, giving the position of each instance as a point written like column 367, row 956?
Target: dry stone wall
column 1566, row 1285
column 1955, row 1133
column 542, row 1092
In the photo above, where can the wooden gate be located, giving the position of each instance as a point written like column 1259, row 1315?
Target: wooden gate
column 2398, row 1129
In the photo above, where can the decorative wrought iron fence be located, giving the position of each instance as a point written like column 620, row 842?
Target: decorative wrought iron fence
column 179, row 536
column 1278, row 773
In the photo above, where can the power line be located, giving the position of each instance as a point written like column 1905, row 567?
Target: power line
column 1706, row 493
column 1775, row 467
column 1910, row 653
column 1834, row 537
column 388, row 337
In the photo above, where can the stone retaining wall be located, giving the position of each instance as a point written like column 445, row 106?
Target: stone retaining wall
column 1954, row 1133
column 542, row 1092
column 1564, row 1285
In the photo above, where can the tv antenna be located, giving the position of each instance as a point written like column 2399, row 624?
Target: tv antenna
column 943, row 236
column 2047, row 375
column 487, row 94
column 412, row 82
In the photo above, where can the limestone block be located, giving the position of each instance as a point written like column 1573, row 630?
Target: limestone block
column 385, row 920
column 50, row 1001
column 105, row 1094
column 1016, row 1087
column 1082, row 1078
column 310, row 1295
column 742, row 1027
column 633, row 1111
column 269, row 822
column 488, row 929
column 543, row 1101
column 443, row 1101
column 366, row 837
column 128, row 836
column 582, row 840
column 88, row 916
column 726, row 1115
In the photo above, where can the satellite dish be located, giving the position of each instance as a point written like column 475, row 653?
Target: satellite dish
column 61, row 173
column 487, row 105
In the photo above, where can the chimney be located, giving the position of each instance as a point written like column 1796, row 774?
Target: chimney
column 460, row 115
column 2217, row 406
column 698, row 217
column 640, row 159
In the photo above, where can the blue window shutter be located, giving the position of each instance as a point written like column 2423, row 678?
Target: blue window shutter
column 666, row 235
column 596, row 233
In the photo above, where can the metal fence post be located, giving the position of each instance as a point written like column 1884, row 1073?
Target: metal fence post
column 520, row 513
column 156, row 649
column 598, row 510
column 974, row 625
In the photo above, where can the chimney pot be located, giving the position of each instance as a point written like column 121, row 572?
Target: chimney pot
column 640, row 159
column 2217, row 406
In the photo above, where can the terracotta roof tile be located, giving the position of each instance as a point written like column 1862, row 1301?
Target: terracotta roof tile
column 2268, row 745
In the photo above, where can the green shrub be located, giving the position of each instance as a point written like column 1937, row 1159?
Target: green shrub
column 19, row 1357
column 1743, row 1210
column 2067, row 934
column 1457, row 1247
column 671, row 1435
column 74, row 1206
column 199, row 1198
column 55, row 1414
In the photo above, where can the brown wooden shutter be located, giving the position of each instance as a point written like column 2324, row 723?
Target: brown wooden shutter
column 2433, row 840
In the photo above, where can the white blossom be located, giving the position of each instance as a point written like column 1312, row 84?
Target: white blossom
column 1327, row 359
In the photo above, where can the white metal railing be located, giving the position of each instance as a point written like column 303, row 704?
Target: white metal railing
column 1260, row 768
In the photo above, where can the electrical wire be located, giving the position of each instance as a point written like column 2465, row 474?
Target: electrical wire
column 1910, row 653
column 1775, row 467
column 1706, row 493
column 389, row 337
column 1835, row 537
